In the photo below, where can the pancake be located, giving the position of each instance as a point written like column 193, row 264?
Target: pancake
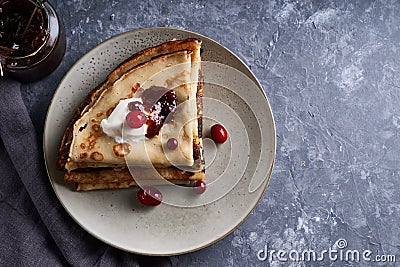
column 95, row 160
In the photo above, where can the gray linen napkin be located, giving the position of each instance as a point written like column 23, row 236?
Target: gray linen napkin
column 35, row 230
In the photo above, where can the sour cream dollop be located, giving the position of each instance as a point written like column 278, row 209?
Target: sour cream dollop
column 115, row 126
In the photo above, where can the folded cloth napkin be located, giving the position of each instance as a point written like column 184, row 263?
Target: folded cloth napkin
column 35, row 229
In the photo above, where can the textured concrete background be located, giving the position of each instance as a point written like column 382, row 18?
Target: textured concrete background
column 331, row 72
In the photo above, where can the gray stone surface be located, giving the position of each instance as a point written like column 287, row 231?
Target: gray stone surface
column 331, row 72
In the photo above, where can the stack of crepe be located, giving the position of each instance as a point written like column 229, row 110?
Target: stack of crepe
column 93, row 160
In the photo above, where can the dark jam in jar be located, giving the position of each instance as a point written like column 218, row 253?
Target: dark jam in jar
column 159, row 102
column 22, row 27
column 32, row 40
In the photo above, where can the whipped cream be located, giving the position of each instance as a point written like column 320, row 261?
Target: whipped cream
column 115, row 126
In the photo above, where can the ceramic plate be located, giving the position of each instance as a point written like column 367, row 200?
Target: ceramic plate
column 239, row 169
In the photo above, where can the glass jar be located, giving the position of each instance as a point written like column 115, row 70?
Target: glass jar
column 32, row 39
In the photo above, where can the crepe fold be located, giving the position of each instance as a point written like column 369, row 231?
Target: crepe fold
column 93, row 160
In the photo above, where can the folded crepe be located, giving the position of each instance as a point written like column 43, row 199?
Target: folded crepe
column 93, row 159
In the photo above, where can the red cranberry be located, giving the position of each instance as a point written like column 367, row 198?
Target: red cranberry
column 172, row 144
column 199, row 187
column 149, row 196
column 135, row 105
column 135, row 119
column 219, row 133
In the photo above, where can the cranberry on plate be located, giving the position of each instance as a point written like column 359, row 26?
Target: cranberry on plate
column 219, row 133
column 149, row 196
column 199, row 187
